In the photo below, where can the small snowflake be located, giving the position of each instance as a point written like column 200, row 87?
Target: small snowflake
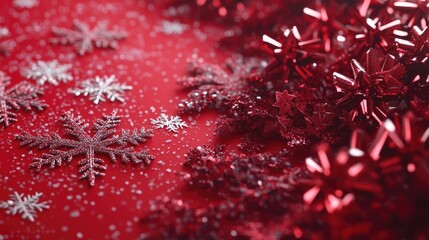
column 80, row 142
column 100, row 88
column 51, row 72
column 85, row 39
column 23, row 95
column 169, row 27
column 26, row 206
column 25, row 3
column 171, row 123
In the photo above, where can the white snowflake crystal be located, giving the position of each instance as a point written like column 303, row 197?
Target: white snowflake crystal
column 25, row 3
column 100, row 88
column 27, row 206
column 51, row 72
column 171, row 123
column 85, row 39
column 80, row 142
column 169, row 27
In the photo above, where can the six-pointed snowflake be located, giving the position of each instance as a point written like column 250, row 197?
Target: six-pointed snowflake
column 171, row 123
column 100, row 88
column 51, row 72
column 25, row 3
column 27, row 206
column 23, row 95
column 80, row 142
column 85, row 39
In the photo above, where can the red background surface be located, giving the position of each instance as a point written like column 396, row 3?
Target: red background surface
column 150, row 61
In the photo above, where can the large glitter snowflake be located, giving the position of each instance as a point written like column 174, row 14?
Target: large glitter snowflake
column 171, row 123
column 85, row 39
column 27, row 206
column 51, row 72
column 23, row 95
column 100, row 88
column 80, row 142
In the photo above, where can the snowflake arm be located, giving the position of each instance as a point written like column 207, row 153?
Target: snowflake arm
column 22, row 95
column 171, row 123
column 51, row 72
column 27, row 206
column 100, row 88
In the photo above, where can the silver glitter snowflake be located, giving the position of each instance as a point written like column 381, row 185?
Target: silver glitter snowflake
column 25, row 3
column 100, row 88
column 169, row 27
column 171, row 123
column 51, row 72
column 27, row 206
column 80, row 142
column 85, row 39
column 23, row 95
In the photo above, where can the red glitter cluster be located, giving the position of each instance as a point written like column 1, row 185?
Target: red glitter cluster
column 330, row 71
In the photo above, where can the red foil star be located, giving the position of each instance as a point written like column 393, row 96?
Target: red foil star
column 337, row 177
column 367, row 93
column 401, row 145
column 293, row 54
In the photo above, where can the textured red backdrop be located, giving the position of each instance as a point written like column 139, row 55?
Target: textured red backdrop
column 150, row 59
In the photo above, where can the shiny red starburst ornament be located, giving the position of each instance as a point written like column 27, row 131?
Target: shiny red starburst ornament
column 375, row 32
column 293, row 54
column 414, row 11
column 337, row 178
column 404, row 141
column 367, row 93
column 325, row 21
column 414, row 50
